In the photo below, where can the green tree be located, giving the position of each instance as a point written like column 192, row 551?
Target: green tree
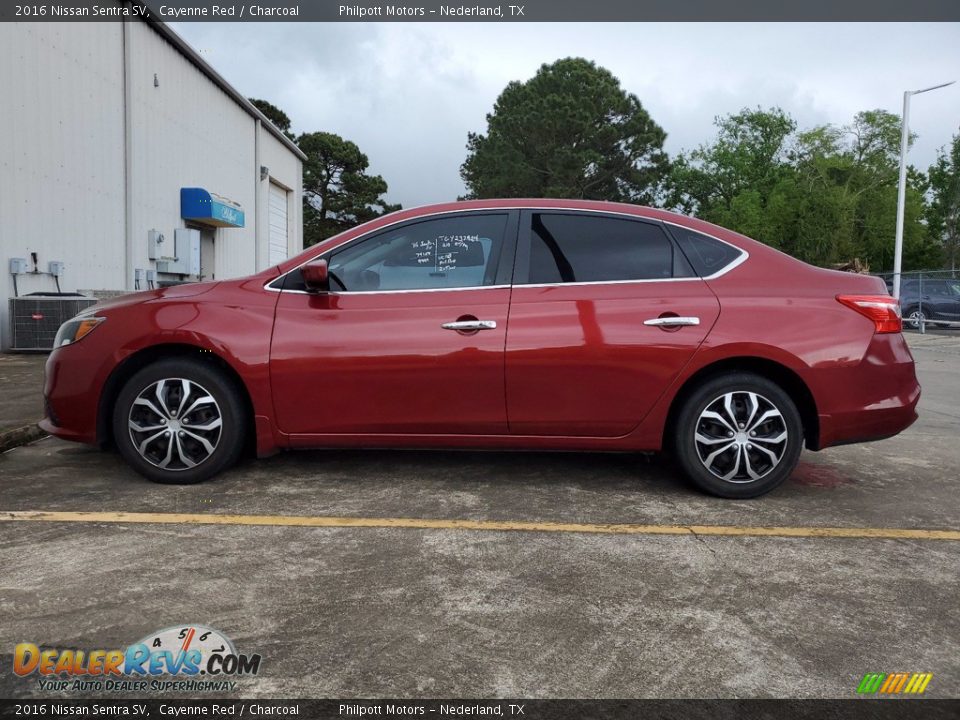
column 275, row 115
column 874, row 137
column 570, row 131
column 824, row 195
column 863, row 170
column 741, row 180
column 337, row 191
column 943, row 213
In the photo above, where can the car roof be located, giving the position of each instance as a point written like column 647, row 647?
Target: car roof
column 424, row 211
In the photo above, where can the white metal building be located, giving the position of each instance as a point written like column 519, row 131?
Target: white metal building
column 128, row 159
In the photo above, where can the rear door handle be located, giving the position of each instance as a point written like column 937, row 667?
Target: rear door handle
column 672, row 321
column 470, row 325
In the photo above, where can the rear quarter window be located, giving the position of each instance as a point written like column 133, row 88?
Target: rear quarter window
column 707, row 255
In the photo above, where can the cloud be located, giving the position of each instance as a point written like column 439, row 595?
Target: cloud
column 408, row 93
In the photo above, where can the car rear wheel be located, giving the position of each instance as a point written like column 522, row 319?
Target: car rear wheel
column 179, row 421
column 914, row 317
column 738, row 435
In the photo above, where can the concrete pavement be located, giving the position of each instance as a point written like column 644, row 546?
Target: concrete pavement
column 21, row 383
column 374, row 611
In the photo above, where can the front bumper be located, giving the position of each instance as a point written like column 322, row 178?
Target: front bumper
column 71, row 390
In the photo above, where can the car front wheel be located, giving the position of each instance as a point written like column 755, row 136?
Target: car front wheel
column 738, row 435
column 179, row 421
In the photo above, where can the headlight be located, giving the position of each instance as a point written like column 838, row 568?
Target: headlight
column 76, row 329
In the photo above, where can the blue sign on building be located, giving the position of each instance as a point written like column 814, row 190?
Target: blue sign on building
column 202, row 206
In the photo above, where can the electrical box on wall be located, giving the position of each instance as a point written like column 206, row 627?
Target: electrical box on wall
column 156, row 246
column 18, row 266
column 186, row 254
column 188, row 249
column 55, row 268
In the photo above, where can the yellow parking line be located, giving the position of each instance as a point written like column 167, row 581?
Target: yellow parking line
column 488, row 525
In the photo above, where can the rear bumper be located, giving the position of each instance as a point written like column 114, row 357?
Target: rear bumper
column 874, row 400
column 868, row 424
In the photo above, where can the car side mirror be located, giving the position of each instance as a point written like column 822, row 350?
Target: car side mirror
column 315, row 276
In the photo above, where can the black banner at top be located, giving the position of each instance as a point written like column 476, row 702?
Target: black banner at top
column 516, row 11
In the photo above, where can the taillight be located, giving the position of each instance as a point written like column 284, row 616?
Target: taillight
column 882, row 309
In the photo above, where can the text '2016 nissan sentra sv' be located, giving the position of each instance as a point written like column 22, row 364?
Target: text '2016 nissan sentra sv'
column 520, row 324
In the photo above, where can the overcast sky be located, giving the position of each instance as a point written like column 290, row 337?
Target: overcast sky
column 407, row 93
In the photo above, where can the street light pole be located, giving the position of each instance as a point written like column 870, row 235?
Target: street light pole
column 902, row 187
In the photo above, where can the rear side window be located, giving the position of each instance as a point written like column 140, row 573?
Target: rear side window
column 924, row 287
column 938, row 287
column 583, row 248
column 707, row 255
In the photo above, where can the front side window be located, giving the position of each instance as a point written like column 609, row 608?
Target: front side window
column 452, row 252
column 584, row 248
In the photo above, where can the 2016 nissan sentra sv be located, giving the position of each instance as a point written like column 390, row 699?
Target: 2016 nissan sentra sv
column 521, row 324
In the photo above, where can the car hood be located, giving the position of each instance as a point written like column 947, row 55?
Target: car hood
column 167, row 293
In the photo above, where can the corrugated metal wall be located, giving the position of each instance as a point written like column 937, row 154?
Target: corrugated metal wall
column 286, row 170
column 187, row 133
column 62, row 154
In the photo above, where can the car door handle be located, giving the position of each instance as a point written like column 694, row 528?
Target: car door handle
column 672, row 321
column 470, row 325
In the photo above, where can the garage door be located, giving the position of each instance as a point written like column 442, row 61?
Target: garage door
column 278, row 224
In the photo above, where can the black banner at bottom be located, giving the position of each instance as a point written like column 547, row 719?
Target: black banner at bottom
column 886, row 709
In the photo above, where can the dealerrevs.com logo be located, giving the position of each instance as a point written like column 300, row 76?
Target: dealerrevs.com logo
column 185, row 658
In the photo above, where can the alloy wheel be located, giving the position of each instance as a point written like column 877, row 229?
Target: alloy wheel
column 175, row 424
column 740, row 437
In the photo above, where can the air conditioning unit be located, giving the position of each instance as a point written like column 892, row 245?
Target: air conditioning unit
column 35, row 319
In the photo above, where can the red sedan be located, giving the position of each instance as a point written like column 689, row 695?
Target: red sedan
column 520, row 324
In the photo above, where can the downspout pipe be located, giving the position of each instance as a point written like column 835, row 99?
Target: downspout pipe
column 127, row 158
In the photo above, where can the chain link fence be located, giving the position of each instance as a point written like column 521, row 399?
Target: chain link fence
column 928, row 299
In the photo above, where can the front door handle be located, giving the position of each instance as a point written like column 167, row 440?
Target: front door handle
column 672, row 320
column 470, row 325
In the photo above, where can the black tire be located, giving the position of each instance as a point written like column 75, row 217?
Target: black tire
column 913, row 316
column 203, row 382
column 759, row 449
